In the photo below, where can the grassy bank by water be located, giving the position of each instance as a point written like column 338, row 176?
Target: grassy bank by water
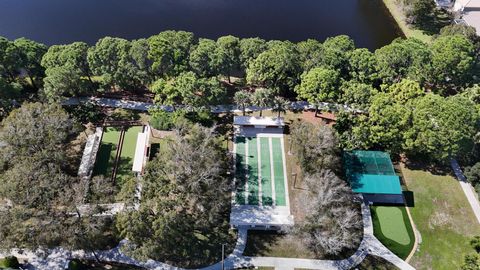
column 408, row 31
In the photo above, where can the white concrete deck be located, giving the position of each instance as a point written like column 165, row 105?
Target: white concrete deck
column 258, row 121
column 251, row 215
column 471, row 13
column 140, row 153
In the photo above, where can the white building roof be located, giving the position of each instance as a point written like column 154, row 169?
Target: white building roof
column 258, row 121
column 140, row 154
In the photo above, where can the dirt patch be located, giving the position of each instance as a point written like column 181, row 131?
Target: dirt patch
column 322, row 118
column 74, row 151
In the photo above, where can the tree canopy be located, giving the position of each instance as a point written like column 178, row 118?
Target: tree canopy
column 186, row 188
column 278, row 67
column 319, row 85
column 38, row 194
column 169, row 52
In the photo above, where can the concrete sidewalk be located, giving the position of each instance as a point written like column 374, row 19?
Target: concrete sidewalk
column 467, row 188
column 145, row 106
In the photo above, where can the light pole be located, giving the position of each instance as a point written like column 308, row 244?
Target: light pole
column 223, row 256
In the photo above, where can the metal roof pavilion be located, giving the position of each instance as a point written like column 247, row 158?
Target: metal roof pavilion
column 371, row 172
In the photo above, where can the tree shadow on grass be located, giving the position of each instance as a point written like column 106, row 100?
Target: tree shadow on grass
column 435, row 22
column 424, row 164
column 124, row 171
column 259, row 243
column 375, row 263
column 103, row 157
column 196, row 248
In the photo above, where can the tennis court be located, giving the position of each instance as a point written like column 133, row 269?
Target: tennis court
column 260, row 172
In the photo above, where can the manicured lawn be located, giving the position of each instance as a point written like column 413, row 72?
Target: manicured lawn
column 125, row 164
column 444, row 218
column 106, row 153
column 130, row 141
column 392, row 227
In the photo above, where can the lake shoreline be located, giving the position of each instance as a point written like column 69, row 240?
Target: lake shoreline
column 54, row 22
column 397, row 14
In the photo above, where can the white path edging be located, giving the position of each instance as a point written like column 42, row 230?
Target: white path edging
column 85, row 169
column 58, row 258
column 467, row 188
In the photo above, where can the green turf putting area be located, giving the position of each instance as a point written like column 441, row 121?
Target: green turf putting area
column 392, row 227
column 260, row 175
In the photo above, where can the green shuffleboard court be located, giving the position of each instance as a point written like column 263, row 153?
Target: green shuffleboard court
column 252, row 160
column 266, row 172
column 278, row 172
column 259, row 173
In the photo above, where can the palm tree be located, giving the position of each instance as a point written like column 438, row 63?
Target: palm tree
column 280, row 105
column 263, row 97
column 243, row 99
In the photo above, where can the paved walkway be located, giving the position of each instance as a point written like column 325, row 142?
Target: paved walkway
column 369, row 245
column 57, row 259
column 467, row 188
column 145, row 106
column 470, row 10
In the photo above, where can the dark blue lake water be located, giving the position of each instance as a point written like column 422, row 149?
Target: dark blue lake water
column 64, row 21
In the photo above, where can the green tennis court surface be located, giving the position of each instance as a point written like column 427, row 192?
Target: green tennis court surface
column 259, row 172
column 371, row 172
